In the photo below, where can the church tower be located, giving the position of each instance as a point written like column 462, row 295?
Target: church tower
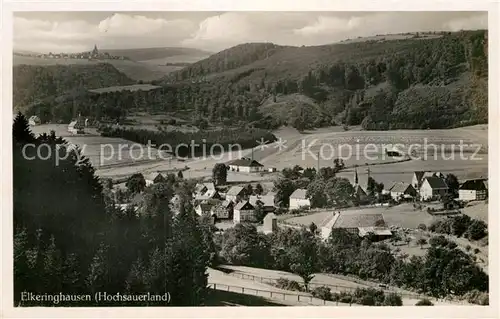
column 95, row 52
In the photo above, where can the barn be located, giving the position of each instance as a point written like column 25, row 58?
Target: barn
column 473, row 189
column 246, row 165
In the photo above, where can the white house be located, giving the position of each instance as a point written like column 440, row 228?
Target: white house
column 76, row 127
column 244, row 212
column 246, row 165
column 236, row 193
column 299, row 199
column 203, row 209
column 154, row 178
column 34, row 120
column 433, row 188
column 418, row 177
column 473, row 189
column 402, row 190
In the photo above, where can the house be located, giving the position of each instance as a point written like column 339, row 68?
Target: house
column 154, row 178
column 360, row 224
column 34, row 120
column 223, row 210
column 201, row 188
column 266, row 201
column 473, row 189
column 401, row 190
column 270, row 224
column 299, row 199
column 236, row 193
column 203, row 209
column 244, row 212
column 210, row 194
column 246, row 165
column 418, row 177
column 76, row 127
column 272, row 169
column 433, row 188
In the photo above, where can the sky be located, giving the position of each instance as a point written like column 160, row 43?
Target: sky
column 215, row 31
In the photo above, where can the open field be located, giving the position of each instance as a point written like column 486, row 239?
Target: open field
column 403, row 215
column 478, row 210
column 134, row 70
column 290, row 153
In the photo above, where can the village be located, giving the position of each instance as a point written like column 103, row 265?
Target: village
column 228, row 205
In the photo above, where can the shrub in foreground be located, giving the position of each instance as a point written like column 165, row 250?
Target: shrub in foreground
column 322, row 293
column 424, row 302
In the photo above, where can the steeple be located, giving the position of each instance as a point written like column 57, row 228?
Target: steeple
column 95, row 51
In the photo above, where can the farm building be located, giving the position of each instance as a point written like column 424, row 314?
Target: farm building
column 76, row 127
column 401, row 190
column 154, row 178
column 203, row 209
column 418, row 177
column 270, row 223
column 246, row 165
column 34, row 120
column 360, row 224
column 267, row 202
column 272, row 169
column 244, row 212
column 299, row 199
column 236, row 193
column 473, row 189
column 223, row 210
column 433, row 188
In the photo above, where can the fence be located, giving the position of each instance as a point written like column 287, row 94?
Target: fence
column 291, row 297
column 333, row 288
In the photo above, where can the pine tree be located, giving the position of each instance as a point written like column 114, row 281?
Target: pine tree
column 21, row 131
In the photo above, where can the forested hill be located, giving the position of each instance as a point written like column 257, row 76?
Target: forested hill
column 229, row 59
column 380, row 84
column 33, row 83
column 435, row 80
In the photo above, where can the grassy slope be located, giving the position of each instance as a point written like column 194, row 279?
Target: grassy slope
column 134, row 70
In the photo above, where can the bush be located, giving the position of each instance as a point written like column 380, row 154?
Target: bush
column 424, row 302
column 369, row 296
column 476, row 250
column 476, row 230
column 287, row 284
column 392, row 299
column 477, row 297
column 322, row 293
column 422, row 227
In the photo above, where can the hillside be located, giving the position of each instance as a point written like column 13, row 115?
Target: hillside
column 139, row 71
column 52, row 84
column 378, row 84
column 145, row 54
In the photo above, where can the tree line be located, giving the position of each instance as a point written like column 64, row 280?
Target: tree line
column 70, row 238
column 209, row 141
column 389, row 85
column 444, row 269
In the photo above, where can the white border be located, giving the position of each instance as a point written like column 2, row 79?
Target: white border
column 8, row 311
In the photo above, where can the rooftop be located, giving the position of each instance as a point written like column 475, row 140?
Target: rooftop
column 436, row 182
column 246, row 162
column 235, row 191
column 299, row 193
